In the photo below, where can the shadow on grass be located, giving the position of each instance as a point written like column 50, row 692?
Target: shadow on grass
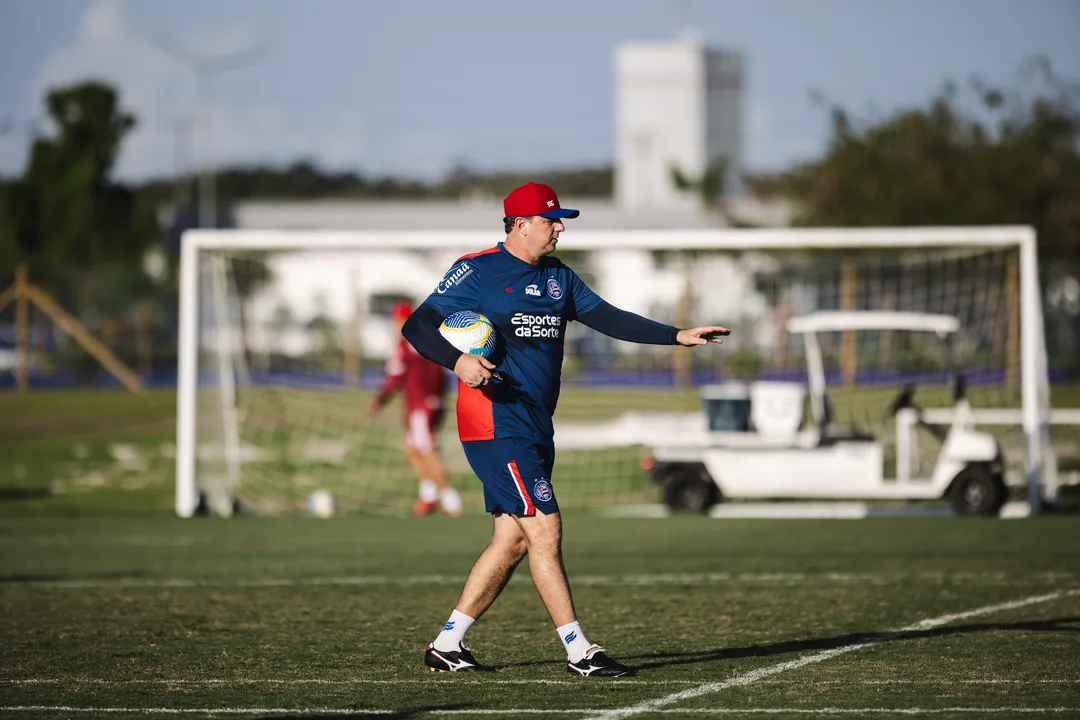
column 662, row 660
column 382, row 715
column 23, row 493
column 53, row 577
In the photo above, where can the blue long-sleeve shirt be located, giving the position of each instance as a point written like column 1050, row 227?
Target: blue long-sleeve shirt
column 530, row 307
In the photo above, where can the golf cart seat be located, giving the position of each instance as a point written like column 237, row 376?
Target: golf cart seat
column 777, row 409
column 831, row 432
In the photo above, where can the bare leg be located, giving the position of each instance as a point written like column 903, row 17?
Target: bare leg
column 543, row 536
column 425, row 460
column 429, row 465
column 494, row 567
column 416, row 462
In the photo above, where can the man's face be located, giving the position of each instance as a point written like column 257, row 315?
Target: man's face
column 541, row 234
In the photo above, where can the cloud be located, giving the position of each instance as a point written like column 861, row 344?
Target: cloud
column 163, row 94
column 150, row 83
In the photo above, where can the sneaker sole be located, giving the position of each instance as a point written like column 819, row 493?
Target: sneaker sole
column 470, row 668
column 575, row 673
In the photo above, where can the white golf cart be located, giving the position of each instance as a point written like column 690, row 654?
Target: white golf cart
column 761, row 442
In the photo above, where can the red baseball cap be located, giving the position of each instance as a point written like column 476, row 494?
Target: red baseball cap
column 401, row 311
column 535, row 199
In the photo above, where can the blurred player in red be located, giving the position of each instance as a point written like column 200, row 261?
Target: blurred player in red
column 424, row 385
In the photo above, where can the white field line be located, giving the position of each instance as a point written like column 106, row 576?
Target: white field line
column 644, row 579
column 753, row 676
column 223, row 682
column 193, row 711
column 911, row 682
column 429, row 682
column 316, row 711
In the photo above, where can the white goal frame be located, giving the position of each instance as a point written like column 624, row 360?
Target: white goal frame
column 1041, row 466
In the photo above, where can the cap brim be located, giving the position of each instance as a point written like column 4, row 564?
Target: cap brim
column 560, row 214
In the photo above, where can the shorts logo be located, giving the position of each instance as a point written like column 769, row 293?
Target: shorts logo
column 532, row 291
column 542, row 490
column 553, row 289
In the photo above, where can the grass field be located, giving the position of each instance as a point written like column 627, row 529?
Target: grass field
column 112, row 607
column 78, row 451
column 120, row 616
column 81, row 451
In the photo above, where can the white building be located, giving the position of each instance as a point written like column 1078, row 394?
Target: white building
column 338, row 283
column 677, row 105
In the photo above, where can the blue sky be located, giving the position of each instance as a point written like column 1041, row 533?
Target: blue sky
column 411, row 87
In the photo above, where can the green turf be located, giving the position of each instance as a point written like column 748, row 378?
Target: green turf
column 310, row 617
column 84, row 451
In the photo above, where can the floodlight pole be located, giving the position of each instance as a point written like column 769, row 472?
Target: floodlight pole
column 206, row 67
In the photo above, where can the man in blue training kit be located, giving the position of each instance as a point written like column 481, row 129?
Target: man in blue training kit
column 504, row 411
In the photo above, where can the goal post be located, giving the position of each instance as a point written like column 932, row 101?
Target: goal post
column 250, row 424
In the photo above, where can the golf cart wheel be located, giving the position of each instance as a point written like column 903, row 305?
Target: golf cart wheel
column 977, row 491
column 690, row 489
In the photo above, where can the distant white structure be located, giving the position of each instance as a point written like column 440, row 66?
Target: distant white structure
column 634, row 280
column 677, row 105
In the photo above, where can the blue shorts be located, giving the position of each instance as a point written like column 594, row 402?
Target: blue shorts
column 516, row 473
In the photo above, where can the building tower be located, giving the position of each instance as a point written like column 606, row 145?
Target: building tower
column 677, row 105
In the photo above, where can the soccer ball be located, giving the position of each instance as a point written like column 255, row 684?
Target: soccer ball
column 470, row 332
column 321, row 504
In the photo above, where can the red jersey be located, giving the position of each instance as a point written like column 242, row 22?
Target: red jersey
column 423, row 382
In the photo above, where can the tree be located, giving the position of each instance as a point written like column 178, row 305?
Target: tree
column 82, row 236
column 64, row 212
column 710, row 189
column 985, row 156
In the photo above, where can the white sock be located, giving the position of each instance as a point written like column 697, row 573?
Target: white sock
column 453, row 632
column 450, row 501
column 429, row 491
column 574, row 641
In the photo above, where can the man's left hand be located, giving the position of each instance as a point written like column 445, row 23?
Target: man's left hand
column 702, row 335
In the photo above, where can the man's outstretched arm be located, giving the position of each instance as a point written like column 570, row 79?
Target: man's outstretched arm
column 623, row 325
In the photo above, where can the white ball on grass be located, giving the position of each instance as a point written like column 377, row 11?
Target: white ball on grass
column 321, row 504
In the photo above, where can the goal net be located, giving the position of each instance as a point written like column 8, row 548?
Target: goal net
column 284, row 339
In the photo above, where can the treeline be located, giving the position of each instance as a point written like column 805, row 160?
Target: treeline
column 306, row 181
column 974, row 154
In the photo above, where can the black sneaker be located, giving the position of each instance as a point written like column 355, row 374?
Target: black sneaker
column 455, row 661
column 596, row 663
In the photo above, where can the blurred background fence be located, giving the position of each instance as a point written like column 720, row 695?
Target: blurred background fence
column 134, row 315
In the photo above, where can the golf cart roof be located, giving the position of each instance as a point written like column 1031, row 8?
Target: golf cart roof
column 839, row 320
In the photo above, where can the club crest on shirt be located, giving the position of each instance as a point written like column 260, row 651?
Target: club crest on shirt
column 542, row 490
column 554, row 291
